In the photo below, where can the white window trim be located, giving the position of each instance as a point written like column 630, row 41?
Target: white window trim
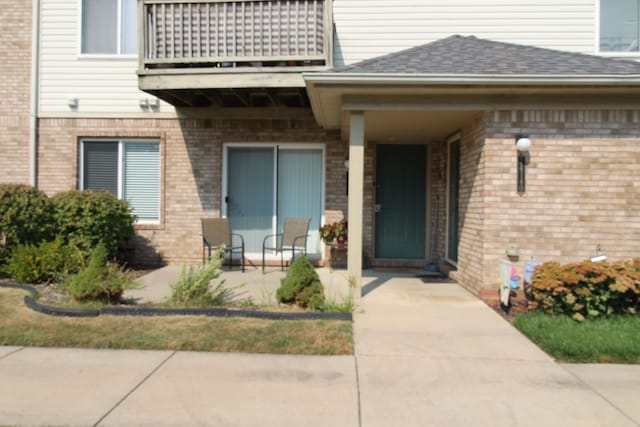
column 276, row 147
column 121, row 142
column 597, row 40
column 108, row 56
column 450, row 140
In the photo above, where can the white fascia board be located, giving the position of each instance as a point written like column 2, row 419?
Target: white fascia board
column 467, row 79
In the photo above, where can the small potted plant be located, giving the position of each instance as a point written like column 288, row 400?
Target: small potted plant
column 334, row 231
column 340, row 232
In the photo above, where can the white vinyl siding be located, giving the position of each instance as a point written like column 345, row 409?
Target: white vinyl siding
column 128, row 168
column 102, row 84
column 371, row 28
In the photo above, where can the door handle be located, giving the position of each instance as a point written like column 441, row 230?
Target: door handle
column 226, row 199
column 377, row 208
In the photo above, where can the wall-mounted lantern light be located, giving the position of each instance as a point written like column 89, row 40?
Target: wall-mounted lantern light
column 523, row 144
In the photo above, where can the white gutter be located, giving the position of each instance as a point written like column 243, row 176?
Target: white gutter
column 467, row 79
column 35, row 86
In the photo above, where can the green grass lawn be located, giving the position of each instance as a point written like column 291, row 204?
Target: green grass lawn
column 612, row 340
column 20, row 326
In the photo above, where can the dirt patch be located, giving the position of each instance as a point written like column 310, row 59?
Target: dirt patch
column 51, row 294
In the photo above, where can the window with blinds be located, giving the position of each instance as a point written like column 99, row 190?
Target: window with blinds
column 130, row 169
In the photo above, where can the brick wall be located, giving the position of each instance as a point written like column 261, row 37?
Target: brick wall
column 471, row 205
column 15, row 69
column 583, row 187
column 192, row 168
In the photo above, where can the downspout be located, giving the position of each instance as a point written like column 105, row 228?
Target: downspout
column 35, row 87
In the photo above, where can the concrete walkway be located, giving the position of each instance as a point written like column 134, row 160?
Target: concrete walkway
column 426, row 354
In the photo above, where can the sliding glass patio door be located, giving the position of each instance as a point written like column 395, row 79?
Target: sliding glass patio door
column 267, row 184
column 249, row 197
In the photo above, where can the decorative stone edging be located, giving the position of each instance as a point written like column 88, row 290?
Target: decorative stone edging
column 30, row 302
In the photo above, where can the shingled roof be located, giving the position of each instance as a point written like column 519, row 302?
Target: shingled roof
column 468, row 55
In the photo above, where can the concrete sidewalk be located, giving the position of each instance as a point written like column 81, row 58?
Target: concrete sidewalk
column 426, row 354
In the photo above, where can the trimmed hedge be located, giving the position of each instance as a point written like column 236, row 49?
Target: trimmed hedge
column 587, row 289
column 87, row 218
column 26, row 215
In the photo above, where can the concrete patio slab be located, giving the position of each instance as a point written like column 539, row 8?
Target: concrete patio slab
column 6, row 350
column 194, row 389
column 71, row 387
column 421, row 391
column 255, row 284
column 154, row 287
column 619, row 384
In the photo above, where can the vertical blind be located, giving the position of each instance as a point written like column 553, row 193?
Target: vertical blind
column 250, row 194
column 101, row 166
column 141, row 179
column 299, row 190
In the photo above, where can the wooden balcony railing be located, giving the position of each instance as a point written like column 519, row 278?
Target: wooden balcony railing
column 231, row 36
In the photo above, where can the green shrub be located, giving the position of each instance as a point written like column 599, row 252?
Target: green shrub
column 88, row 217
column 26, row 215
column 587, row 289
column 301, row 286
column 43, row 263
column 100, row 281
column 193, row 288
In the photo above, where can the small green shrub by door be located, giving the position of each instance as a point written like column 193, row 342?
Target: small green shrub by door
column 301, row 286
column 587, row 289
column 100, row 281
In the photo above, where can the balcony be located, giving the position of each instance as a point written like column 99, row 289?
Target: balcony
column 232, row 53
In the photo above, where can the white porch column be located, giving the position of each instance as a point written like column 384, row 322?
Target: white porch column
column 356, row 184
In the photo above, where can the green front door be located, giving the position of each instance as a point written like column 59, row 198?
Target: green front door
column 400, row 201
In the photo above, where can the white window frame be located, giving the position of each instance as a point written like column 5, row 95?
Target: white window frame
column 450, row 140
column 635, row 54
column 121, row 143
column 116, row 55
column 276, row 147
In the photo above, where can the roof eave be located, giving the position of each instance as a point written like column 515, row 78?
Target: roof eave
column 470, row 79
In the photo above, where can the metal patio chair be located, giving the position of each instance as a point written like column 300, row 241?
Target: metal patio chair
column 293, row 238
column 216, row 232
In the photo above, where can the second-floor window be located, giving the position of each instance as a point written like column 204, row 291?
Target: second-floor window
column 619, row 26
column 109, row 27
